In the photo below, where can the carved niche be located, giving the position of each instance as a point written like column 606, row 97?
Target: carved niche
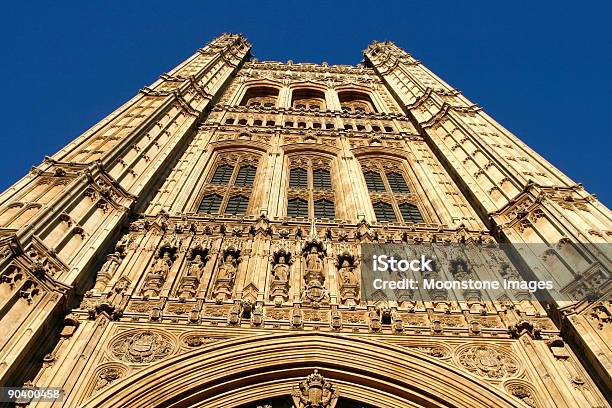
column 107, row 271
column 159, row 270
column 141, row 346
column 279, row 285
column 226, row 274
column 347, row 264
column 314, row 392
column 314, row 292
column 190, row 281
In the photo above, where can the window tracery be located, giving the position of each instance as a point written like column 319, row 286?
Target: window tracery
column 312, row 99
column 356, row 102
column 390, row 195
column 260, row 96
column 229, row 187
column 310, row 188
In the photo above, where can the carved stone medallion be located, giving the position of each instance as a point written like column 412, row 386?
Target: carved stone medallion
column 488, row 362
column 141, row 346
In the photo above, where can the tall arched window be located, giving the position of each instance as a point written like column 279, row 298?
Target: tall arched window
column 298, row 178
column 246, row 176
column 324, row 209
column 223, row 174
column 397, row 183
column 357, row 102
column 389, row 192
column 312, row 99
column 374, row 181
column 310, row 178
column 232, row 181
column 321, row 179
column 410, row 213
column 237, row 205
column 260, row 96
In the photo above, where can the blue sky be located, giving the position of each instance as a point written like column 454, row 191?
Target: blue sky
column 541, row 70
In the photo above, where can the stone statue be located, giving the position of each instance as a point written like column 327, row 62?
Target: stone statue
column 227, row 270
column 313, row 261
column 347, row 273
column 156, row 278
column 281, row 270
column 196, row 267
column 162, row 265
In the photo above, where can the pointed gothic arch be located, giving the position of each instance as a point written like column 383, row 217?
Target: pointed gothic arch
column 232, row 372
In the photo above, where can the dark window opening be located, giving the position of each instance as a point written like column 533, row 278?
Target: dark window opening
column 321, row 179
column 223, row 174
column 374, row 181
column 410, row 213
column 384, row 212
column 237, row 205
column 298, row 178
column 210, row 204
column 297, row 207
column 324, row 209
column 246, row 176
column 397, row 183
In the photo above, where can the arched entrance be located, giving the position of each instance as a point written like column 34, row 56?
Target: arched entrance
column 242, row 371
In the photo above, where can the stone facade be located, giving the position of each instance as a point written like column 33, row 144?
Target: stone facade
column 200, row 247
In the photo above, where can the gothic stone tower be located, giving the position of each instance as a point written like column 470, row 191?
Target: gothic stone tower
column 198, row 247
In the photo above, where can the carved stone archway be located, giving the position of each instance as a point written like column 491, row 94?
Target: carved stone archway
column 237, row 371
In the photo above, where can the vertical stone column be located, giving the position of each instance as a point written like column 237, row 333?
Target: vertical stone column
column 67, row 211
column 522, row 197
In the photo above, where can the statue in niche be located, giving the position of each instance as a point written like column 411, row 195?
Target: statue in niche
column 227, row 270
column 314, row 292
column 279, row 287
column 226, row 275
column 158, row 275
column 196, row 267
column 347, row 273
column 349, row 281
column 313, row 261
column 281, row 270
column 107, row 271
column 189, row 283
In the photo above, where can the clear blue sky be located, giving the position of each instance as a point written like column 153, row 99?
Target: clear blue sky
column 543, row 71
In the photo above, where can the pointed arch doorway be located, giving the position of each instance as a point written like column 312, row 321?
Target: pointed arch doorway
column 247, row 371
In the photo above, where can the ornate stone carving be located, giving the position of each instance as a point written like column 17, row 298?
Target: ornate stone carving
column 189, row 283
column 158, row 273
column 314, row 292
column 279, row 286
column 488, row 362
column 349, row 280
column 226, row 274
column 314, row 392
column 108, row 375
column 141, row 346
column 523, row 392
column 107, row 271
